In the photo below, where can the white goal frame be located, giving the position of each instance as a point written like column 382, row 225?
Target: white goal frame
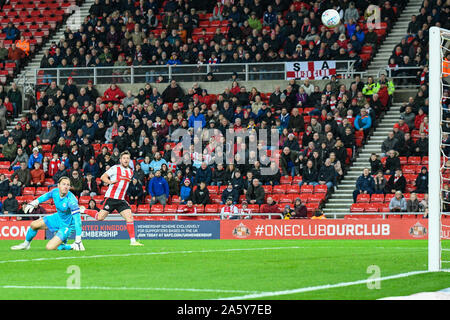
column 434, row 149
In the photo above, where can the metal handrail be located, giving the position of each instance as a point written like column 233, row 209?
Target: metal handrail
column 333, row 215
column 249, row 71
column 390, row 69
column 176, row 215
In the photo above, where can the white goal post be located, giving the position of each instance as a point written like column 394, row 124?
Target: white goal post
column 436, row 56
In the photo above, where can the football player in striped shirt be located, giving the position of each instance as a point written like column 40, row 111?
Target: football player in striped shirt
column 118, row 178
column 66, row 219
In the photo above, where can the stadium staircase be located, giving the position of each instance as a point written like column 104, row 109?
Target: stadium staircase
column 394, row 37
column 342, row 199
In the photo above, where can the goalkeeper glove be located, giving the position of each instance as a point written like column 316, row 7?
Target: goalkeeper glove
column 78, row 245
column 29, row 207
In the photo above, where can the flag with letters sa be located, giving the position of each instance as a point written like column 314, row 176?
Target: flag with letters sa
column 313, row 70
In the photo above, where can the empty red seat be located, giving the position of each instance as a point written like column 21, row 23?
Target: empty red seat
column 267, row 189
column 320, row 188
column 293, row 189
column 408, row 169
column 213, row 189
column 358, row 207
column 40, row 191
column 377, row 198
column 143, row 208
column 316, row 197
column 363, row 198
column 279, row 189
column 307, row 189
column 414, row 160
column 211, row 208
column 157, row 208
column 170, row 208
column 215, row 198
column 28, row 191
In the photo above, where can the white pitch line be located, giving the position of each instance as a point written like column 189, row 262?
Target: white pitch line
column 323, row 287
column 199, row 251
column 125, row 288
column 144, row 254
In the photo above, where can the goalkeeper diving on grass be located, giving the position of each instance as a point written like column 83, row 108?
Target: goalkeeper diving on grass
column 64, row 222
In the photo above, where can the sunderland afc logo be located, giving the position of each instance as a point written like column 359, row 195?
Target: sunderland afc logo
column 241, row 231
column 418, row 230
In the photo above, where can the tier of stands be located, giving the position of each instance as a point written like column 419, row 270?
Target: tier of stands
column 35, row 20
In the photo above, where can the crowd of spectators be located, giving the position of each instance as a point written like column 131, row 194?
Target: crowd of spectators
column 412, row 52
column 80, row 132
column 121, row 33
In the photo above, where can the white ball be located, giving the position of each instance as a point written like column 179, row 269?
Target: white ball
column 330, row 18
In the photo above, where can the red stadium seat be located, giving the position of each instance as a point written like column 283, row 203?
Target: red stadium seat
column 377, row 198
column 157, row 208
column 212, row 208
column 279, row 189
column 293, row 189
column 363, row 198
column 40, row 191
column 267, row 189
column 213, row 189
column 307, row 189
column 143, row 208
column 286, row 180
column 321, row 188
column 28, row 191
column 357, row 207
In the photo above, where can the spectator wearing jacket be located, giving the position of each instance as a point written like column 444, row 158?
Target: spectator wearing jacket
column 204, row 174
column 288, row 161
column 255, row 193
column 398, row 203
column 4, row 185
column 201, row 194
column 35, row 157
column 422, row 181
column 37, row 175
column 392, row 162
column 23, row 175
column 230, row 191
column 365, row 184
column 135, row 192
column 10, row 205
column 300, row 210
column 363, row 122
column 158, row 189
column 310, row 175
column 327, row 174
column 270, row 206
column 12, row 33
column 113, row 94
column 90, row 187
column 186, row 191
column 397, row 182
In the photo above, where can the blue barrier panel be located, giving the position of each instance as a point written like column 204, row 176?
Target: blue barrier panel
column 149, row 230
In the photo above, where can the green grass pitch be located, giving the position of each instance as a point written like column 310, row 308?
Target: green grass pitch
column 216, row 269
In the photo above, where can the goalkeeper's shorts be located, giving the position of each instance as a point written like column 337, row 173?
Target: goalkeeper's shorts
column 54, row 224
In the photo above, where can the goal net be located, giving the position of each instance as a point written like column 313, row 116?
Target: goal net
column 439, row 153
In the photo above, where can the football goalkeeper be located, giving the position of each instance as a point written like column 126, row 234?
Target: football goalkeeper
column 66, row 220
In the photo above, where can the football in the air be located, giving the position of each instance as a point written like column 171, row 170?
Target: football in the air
column 330, row 18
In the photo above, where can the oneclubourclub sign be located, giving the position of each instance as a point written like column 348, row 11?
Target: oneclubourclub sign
column 325, row 229
column 241, row 229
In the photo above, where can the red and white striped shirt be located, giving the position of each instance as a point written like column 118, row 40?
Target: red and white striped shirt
column 123, row 177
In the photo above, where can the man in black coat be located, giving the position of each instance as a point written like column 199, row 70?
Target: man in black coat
column 397, row 182
column 173, row 92
column 232, row 192
column 201, row 194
